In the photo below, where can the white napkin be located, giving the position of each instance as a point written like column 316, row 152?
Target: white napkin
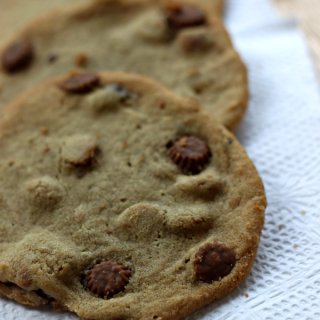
column 281, row 133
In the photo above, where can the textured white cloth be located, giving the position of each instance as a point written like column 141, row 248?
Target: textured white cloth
column 281, row 133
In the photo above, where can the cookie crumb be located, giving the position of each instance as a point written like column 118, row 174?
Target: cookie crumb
column 44, row 130
column 125, row 144
column 141, row 159
column 247, row 295
column 280, row 227
column 81, row 60
column 162, row 105
column 295, row 246
column 46, row 150
column 183, row 142
column 303, row 212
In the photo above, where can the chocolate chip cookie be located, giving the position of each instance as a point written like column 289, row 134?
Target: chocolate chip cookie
column 182, row 44
column 216, row 5
column 122, row 200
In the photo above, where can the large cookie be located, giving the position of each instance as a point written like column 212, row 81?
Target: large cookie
column 183, row 46
column 122, row 200
column 216, row 5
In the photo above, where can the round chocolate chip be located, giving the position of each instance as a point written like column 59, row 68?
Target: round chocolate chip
column 18, row 56
column 81, row 83
column 108, row 278
column 190, row 154
column 185, row 16
column 214, row 261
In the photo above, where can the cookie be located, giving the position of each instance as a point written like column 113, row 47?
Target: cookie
column 122, row 201
column 182, row 45
column 216, row 5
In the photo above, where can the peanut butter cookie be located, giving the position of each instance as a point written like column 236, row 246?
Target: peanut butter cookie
column 122, row 200
column 182, row 44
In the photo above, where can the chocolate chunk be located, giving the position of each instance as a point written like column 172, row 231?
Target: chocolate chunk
column 214, row 261
column 81, row 83
column 185, row 16
column 108, row 278
column 81, row 60
column 190, row 154
column 18, row 56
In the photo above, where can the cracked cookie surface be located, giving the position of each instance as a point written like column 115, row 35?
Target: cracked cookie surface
column 97, row 186
column 182, row 45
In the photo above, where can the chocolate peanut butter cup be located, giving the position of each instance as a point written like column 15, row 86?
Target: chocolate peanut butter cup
column 214, row 261
column 190, row 154
column 108, row 278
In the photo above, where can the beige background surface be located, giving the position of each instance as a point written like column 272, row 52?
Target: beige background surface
column 308, row 13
